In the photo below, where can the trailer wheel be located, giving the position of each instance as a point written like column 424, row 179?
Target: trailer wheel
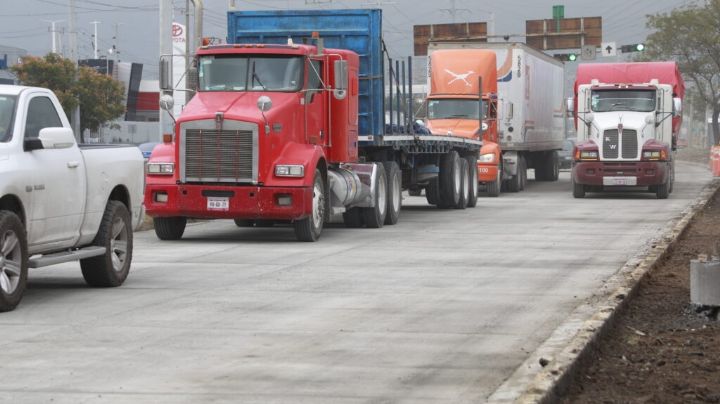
column 450, row 180
column 115, row 234
column 549, row 167
column 169, row 228
column 13, row 260
column 464, row 185
column 493, row 188
column 578, row 189
column 515, row 182
column 353, row 218
column 309, row 228
column 432, row 192
column 394, row 192
column 244, row 223
column 415, row 191
column 522, row 172
column 472, row 174
column 375, row 217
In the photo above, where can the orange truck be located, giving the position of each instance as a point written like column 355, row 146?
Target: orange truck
column 522, row 108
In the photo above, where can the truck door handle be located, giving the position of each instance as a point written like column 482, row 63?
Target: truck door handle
column 73, row 164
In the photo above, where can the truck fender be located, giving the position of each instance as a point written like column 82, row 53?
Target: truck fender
column 491, row 147
column 307, row 155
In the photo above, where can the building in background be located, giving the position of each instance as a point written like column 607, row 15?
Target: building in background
column 9, row 57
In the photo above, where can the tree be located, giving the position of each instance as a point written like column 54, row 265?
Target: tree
column 101, row 98
column 691, row 36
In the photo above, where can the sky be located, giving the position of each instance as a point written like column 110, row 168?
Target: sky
column 26, row 23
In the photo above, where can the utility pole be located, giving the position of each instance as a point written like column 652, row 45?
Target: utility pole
column 95, row 39
column 53, row 35
column 453, row 10
column 73, row 44
column 166, row 50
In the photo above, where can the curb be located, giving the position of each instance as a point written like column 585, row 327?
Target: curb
column 573, row 342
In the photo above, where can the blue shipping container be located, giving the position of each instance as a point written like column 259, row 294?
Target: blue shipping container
column 356, row 30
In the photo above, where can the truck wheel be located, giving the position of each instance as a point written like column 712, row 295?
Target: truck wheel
column 353, row 218
column 309, row 228
column 672, row 177
column 375, row 217
column 394, row 192
column 464, row 185
column 493, row 188
column 450, row 180
column 515, row 183
column 522, row 172
column 662, row 191
column 244, row 223
column 472, row 173
column 432, row 192
column 115, row 234
column 13, row 260
column 169, row 228
column 578, row 189
column 415, row 192
column 555, row 166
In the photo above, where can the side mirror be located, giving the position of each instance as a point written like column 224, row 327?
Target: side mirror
column 341, row 78
column 570, row 105
column 57, row 138
column 166, row 73
column 589, row 118
column 419, row 122
column 167, row 102
column 677, row 106
column 264, row 103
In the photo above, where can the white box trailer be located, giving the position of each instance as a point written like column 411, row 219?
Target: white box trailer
column 530, row 108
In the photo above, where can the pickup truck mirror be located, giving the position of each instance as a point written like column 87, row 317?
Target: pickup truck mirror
column 57, row 138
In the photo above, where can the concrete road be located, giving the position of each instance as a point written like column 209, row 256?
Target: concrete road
column 440, row 308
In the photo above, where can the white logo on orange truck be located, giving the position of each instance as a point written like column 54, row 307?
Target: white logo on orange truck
column 462, row 77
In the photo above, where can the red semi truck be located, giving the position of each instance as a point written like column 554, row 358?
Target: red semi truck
column 285, row 130
column 628, row 118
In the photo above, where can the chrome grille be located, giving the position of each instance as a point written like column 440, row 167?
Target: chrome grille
column 629, row 144
column 219, row 156
column 610, row 144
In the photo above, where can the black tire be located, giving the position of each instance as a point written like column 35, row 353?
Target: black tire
column 169, row 228
column 523, row 172
column 464, row 185
column 244, row 223
column 14, row 257
column 375, row 217
column 415, row 192
column 309, row 228
column 472, row 173
column 578, row 190
column 493, row 188
column 450, row 180
column 515, row 183
column 549, row 167
column 432, row 192
column 672, row 177
column 116, row 235
column 662, row 191
column 555, row 162
column 394, row 192
column 353, row 218
column 264, row 223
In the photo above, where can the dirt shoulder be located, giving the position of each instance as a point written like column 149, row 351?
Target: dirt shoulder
column 661, row 349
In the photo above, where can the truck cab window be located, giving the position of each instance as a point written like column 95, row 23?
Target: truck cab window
column 250, row 73
column 455, row 109
column 7, row 112
column 315, row 83
column 41, row 114
column 622, row 100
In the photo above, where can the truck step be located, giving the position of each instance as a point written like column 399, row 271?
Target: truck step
column 65, row 256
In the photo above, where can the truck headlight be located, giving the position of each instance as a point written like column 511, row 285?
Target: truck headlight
column 289, row 170
column 486, row 158
column 161, row 168
column 587, row 155
column 654, row 155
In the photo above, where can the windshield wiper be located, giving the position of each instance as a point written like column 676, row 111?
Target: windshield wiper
column 256, row 77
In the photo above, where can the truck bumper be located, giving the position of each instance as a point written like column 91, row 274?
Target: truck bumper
column 243, row 202
column 645, row 173
column 487, row 172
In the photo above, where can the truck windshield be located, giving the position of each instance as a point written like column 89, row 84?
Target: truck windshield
column 455, row 109
column 7, row 111
column 250, row 73
column 623, row 100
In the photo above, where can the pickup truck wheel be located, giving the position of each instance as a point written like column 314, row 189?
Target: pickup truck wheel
column 394, row 192
column 375, row 217
column 578, row 190
column 13, row 261
column 450, row 180
column 353, row 218
column 115, row 234
column 464, row 185
column 169, row 228
column 472, row 174
column 309, row 228
column 432, row 192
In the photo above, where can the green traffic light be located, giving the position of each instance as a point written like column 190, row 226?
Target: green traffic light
column 572, row 57
column 640, row 47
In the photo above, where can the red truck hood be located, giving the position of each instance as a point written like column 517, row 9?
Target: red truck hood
column 235, row 105
column 466, row 128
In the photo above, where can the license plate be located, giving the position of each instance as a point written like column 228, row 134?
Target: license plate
column 610, row 181
column 218, row 203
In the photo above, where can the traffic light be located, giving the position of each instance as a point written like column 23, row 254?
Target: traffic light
column 636, row 47
column 566, row 57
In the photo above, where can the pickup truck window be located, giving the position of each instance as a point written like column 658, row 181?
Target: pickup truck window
column 250, row 73
column 41, row 114
column 7, row 113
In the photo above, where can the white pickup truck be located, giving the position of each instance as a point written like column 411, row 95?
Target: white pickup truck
column 61, row 202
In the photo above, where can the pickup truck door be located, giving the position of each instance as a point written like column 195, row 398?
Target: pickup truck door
column 58, row 183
